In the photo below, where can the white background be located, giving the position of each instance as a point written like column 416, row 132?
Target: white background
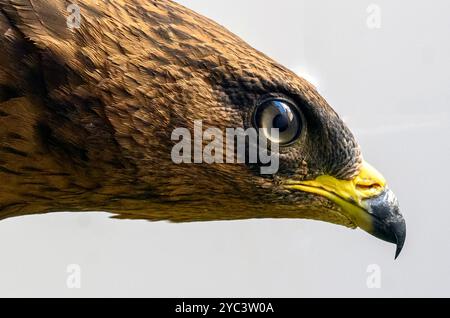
column 391, row 85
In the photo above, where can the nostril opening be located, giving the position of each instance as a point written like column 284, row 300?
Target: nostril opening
column 366, row 187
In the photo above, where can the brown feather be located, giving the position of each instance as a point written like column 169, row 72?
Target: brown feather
column 86, row 115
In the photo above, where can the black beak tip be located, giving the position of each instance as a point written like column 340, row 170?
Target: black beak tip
column 400, row 236
column 388, row 224
column 398, row 251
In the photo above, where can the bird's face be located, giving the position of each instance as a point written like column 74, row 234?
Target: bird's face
column 221, row 81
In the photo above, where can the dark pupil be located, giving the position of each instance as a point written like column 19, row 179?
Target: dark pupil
column 281, row 122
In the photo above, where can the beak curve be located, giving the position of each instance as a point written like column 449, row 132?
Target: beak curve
column 366, row 200
column 387, row 223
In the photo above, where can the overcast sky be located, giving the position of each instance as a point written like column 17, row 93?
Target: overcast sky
column 390, row 84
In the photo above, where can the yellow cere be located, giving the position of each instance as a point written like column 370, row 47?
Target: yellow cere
column 348, row 194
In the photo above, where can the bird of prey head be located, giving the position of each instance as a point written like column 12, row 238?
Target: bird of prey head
column 87, row 113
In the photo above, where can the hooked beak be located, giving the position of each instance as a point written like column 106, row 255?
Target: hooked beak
column 366, row 200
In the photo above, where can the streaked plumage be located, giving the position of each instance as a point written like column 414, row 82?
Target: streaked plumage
column 86, row 116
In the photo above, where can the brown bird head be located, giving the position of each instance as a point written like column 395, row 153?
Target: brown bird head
column 90, row 97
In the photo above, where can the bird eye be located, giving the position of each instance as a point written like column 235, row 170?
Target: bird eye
column 282, row 115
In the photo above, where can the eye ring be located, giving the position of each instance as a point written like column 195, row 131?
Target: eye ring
column 281, row 113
